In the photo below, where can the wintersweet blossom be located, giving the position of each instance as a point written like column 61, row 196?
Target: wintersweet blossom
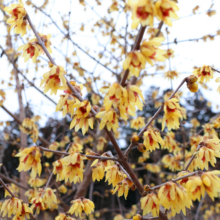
column 114, row 175
column 135, row 62
column 171, row 114
column 204, row 73
column 18, row 18
column 152, row 139
column 150, row 204
column 49, row 198
column 165, row 10
column 172, row 196
column 12, row 206
column 30, row 158
column 63, row 216
column 25, row 212
column 2, row 94
column 142, row 12
column 123, row 187
column 80, row 205
column 98, row 170
column 137, row 123
column 151, row 51
column 52, row 80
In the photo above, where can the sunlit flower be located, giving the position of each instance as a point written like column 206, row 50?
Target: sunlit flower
column 211, row 183
column 207, row 153
column 135, row 62
column 58, row 169
column 109, row 119
column 150, row 204
column 150, row 50
column 114, row 175
column 173, row 196
column 80, row 205
column 52, row 80
column 66, row 103
column 142, row 12
column 12, row 206
column 25, row 212
column 38, row 204
column 18, row 18
column 171, row 74
column 73, row 169
column 101, row 142
column 36, row 182
column 152, row 139
column 98, row 170
column 203, row 73
column 137, row 123
column 30, row 158
column 165, row 10
column 154, row 168
column 49, row 198
column 171, row 114
column 123, row 187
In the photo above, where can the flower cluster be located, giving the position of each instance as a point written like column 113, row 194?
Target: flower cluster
column 144, row 11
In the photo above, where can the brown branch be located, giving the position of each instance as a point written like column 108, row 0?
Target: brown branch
column 12, row 181
column 5, row 186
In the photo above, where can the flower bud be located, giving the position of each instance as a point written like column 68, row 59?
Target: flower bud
column 147, row 188
column 193, row 87
column 191, row 79
column 135, row 138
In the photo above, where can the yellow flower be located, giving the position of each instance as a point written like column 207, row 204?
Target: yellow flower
column 109, row 119
column 173, row 162
column 137, row 123
column 58, row 169
column 114, row 175
column 150, row 204
column 134, row 61
column 36, row 182
column 52, row 80
column 24, row 213
column 66, row 102
column 30, row 159
column 64, row 141
column 195, row 188
column 171, row 114
column 152, row 139
column 97, row 170
column 18, row 18
column 154, row 168
column 29, row 127
column 218, row 80
column 31, row 193
column 14, row 189
column 134, row 95
column 2, row 94
column 194, row 164
column 123, row 187
column 62, row 189
column 169, row 142
column 203, row 73
column 11, row 206
column 67, row 90
column 116, row 95
column 169, row 54
column 73, row 169
column 101, row 143
column 171, row 74
column 142, row 12
column 195, row 122
column 173, row 196
column 63, row 216
column 75, row 148
column 165, row 10
column 49, row 198
column 207, row 153
column 211, row 183
column 95, row 99
column 168, row 94
column 209, row 130
column 150, row 50
column 80, row 205
column 38, row 204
